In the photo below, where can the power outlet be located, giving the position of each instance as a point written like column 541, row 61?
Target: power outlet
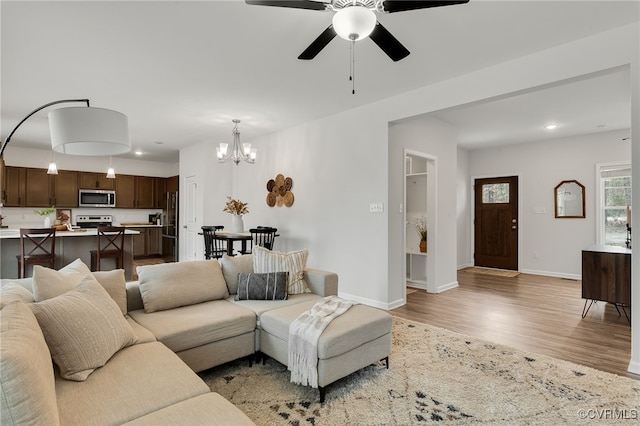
column 376, row 208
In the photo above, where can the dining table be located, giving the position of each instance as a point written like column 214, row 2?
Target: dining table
column 232, row 237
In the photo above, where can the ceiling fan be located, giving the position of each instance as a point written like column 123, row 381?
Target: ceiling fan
column 355, row 20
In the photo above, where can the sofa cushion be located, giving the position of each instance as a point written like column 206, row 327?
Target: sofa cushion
column 12, row 291
column 232, row 266
column 261, row 306
column 265, row 286
column 48, row 283
column 208, row 409
column 170, row 285
column 359, row 325
column 116, row 285
column 27, row 392
column 265, row 260
column 138, row 380
column 83, row 328
column 195, row 325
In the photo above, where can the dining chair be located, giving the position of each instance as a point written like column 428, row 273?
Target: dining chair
column 110, row 246
column 37, row 247
column 214, row 248
column 263, row 236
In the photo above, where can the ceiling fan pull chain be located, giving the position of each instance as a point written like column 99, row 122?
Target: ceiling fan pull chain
column 352, row 77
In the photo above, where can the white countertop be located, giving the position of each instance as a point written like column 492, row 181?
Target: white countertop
column 14, row 233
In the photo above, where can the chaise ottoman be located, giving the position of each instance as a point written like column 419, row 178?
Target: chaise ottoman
column 355, row 339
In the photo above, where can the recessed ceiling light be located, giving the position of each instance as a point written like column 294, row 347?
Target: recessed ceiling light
column 551, row 126
column 138, row 152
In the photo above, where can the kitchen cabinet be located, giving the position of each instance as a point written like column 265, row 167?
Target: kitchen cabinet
column 65, row 188
column 148, row 242
column 14, row 188
column 125, row 191
column 172, row 184
column 161, row 190
column 91, row 180
column 145, row 192
column 38, row 190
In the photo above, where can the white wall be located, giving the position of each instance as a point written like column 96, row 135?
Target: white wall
column 541, row 166
column 433, row 137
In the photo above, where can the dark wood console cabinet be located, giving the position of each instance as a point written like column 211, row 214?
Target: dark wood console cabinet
column 606, row 275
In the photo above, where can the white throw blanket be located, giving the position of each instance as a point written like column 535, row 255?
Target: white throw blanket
column 304, row 333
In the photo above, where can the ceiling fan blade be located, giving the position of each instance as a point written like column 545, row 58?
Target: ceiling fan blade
column 402, row 5
column 318, row 44
column 296, row 4
column 388, row 43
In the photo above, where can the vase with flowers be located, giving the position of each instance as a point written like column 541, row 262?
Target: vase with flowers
column 237, row 208
column 47, row 215
column 420, row 224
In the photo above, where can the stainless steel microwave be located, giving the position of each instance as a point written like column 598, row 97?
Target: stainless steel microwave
column 97, row 198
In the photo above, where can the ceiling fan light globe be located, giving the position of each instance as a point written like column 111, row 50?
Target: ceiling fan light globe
column 354, row 23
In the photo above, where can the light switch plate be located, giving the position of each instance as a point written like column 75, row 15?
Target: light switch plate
column 376, row 208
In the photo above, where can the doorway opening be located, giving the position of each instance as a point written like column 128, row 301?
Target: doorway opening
column 420, row 171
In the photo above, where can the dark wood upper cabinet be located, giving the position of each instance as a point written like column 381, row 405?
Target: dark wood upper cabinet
column 14, row 186
column 38, row 188
column 172, row 184
column 65, row 185
column 161, row 190
column 92, row 180
column 145, row 192
column 125, row 191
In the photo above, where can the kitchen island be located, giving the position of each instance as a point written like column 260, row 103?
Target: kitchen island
column 70, row 245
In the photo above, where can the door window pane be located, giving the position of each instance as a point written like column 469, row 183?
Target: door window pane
column 495, row 193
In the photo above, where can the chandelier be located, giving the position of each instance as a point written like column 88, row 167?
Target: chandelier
column 237, row 154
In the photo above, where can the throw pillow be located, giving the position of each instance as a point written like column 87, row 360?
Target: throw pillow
column 14, row 291
column 48, row 283
column 171, row 285
column 232, row 266
column 83, row 328
column 27, row 383
column 294, row 262
column 267, row 286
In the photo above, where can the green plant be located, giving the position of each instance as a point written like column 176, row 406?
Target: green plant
column 47, row 211
column 420, row 223
column 235, row 207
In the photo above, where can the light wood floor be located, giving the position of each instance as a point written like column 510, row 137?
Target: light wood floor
column 530, row 312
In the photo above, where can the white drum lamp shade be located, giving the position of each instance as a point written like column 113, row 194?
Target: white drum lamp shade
column 89, row 131
column 354, row 22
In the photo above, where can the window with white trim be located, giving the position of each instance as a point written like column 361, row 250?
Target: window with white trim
column 615, row 199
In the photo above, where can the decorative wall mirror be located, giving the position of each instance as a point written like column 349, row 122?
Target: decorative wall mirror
column 569, row 199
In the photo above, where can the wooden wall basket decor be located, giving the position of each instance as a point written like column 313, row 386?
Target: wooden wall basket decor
column 279, row 191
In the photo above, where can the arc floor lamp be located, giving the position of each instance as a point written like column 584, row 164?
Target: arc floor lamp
column 83, row 130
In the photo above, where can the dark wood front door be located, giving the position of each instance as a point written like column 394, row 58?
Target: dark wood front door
column 496, row 222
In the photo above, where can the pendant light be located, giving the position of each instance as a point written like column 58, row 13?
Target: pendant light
column 111, row 174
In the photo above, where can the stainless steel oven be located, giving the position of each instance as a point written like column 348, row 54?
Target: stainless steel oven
column 96, row 198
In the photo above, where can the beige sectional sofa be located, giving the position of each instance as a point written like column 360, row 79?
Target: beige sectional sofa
column 182, row 318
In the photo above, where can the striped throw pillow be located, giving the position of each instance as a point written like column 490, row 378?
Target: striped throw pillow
column 294, row 262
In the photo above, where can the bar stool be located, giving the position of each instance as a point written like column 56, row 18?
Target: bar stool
column 214, row 248
column 37, row 247
column 110, row 246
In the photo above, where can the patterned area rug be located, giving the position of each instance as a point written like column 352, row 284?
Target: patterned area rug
column 436, row 376
column 490, row 271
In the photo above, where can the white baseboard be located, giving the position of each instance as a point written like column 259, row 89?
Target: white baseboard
column 466, row 265
column 552, row 274
column 374, row 303
column 634, row 367
column 446, row 287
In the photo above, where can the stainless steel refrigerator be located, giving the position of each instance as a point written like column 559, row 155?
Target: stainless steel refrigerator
column 170, row 228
